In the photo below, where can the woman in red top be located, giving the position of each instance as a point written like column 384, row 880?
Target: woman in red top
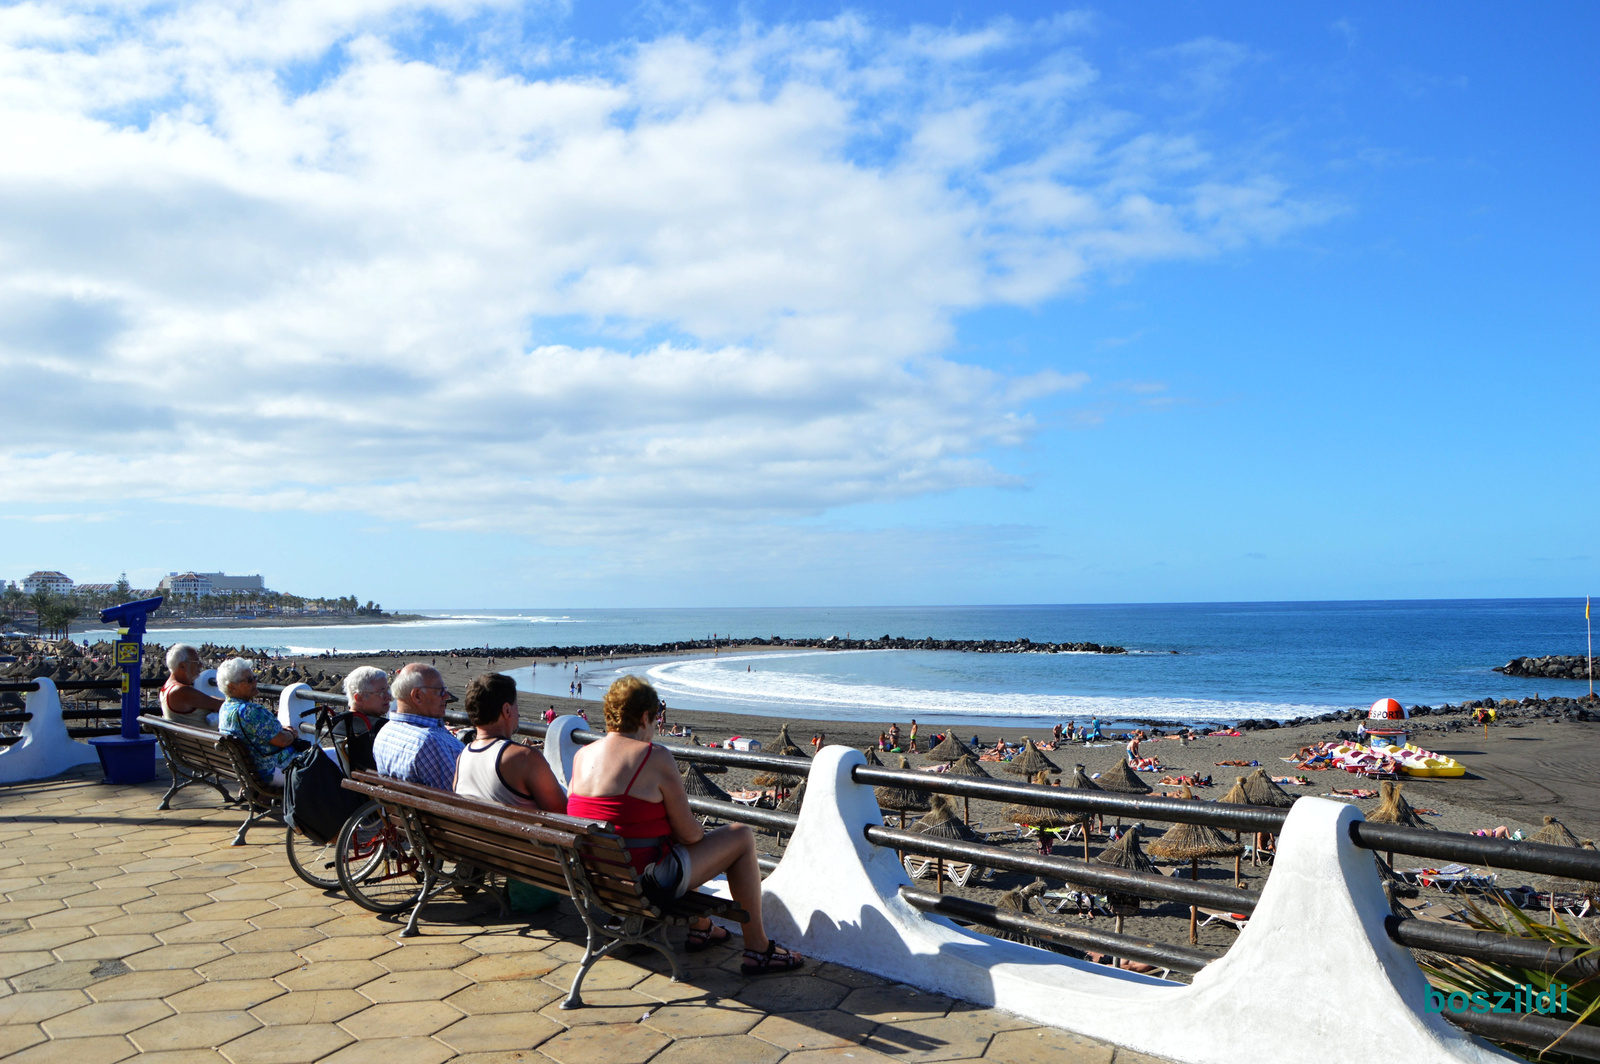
column 634, row 785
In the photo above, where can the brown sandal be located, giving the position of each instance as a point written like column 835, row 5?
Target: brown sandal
column 703, row 939
column 772, row 959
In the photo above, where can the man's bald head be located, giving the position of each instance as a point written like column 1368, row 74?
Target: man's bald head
column 419, row 689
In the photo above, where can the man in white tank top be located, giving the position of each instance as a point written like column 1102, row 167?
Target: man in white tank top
column 494, row 768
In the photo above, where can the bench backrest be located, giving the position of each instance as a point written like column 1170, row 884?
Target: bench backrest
column 525, row 844
column 206, row 751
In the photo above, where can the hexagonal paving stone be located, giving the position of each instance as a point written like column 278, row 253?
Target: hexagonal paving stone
column 278, row 939
column 728, row 1049
column 894, row 1003
column 292, row 917
column 509, row 995
column 14, row 964
column 1046, row 1045
column 414, row 1050
column 981, row 1017
column 821, row 1029
column 413, row 986
column 193, row 1030
column 930, row 1040
column 101, row 947
column 226, row 996
column 797, row 992
column 65, row 917
column 427, row 956
column 39, row 1006
column 44, row 938
column 511, row 943
column 703, row 984
column 70, row 975
column 627, row 1043
column 698, row 1020
column 201, row 884
column 204, row 931
column 114, row 896
column 502, row 966
column 106, row 1049
column 137, row 923
column 286, row 1045
column 19, row 1036
column 331, row 975
column 310, row 1006
column 601, row 1007
column 401, row 1019
column 497, row 1031
column 249, row 966
column 230, row 910
column 186, row 955
column 850, row 977
column 837, row 1055
column 607, row 974
column 105, row 1017
column 347, row 949
column 145, row 985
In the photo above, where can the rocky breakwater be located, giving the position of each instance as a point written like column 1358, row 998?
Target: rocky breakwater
column 1554, row 666
column 832, row 642
column 66, row 663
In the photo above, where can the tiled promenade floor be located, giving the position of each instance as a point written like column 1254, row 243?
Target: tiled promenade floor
column 126, row 931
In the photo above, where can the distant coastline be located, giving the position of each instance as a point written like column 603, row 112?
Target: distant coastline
column 312, row 621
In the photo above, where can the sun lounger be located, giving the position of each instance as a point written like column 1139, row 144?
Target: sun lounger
column 1217, row 916
column 957, row 872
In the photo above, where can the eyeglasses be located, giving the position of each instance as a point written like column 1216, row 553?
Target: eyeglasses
column 441, row 690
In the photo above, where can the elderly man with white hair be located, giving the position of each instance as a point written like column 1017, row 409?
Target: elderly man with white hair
column 415, row 746
column 180, row 699
column 270, row 744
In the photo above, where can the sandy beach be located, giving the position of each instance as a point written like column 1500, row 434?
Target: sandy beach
column 1523, row 770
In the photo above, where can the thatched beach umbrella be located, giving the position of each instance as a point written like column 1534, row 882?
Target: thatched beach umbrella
column 1262, row 791
column 871, row 754
column 1015, row 900
column 696, row 783
column 1239, row 794
column 1125, row 853
column 967, row 765
column 951, row 749
column 1041, row 818
column 1123, row 780
column 784, row 746
column 1193, row 843
column 1394, row 809
column 941, row 822
column 1555, row 833
column 795, row 800
column 1030, row 762
column 902, row 799
column 1079, row 780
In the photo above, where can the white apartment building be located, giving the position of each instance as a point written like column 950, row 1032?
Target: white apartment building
column 206, row 585
column 48, row 580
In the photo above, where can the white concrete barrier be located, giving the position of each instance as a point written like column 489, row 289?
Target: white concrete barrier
column 206, row 684
column 295, row 708
column 45, row 749
column 559, row 749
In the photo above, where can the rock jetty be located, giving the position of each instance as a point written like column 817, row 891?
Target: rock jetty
column 832, row 642
column 1554, row 666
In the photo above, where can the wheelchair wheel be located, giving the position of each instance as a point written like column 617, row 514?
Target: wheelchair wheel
column 313, row 861
column 375, row 865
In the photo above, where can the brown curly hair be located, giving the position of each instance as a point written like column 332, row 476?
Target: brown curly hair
column 629, row 703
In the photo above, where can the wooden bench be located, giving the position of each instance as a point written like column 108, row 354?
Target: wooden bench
column 581, row 859
column 200, row 755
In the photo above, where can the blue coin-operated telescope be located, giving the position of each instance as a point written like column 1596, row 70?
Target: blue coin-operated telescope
column 129, row 757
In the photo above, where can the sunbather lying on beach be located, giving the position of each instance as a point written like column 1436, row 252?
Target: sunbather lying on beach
column 1239, row 764
column 1355, row 792
column 1501, row 832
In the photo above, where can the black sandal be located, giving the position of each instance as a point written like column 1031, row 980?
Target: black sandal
column 772, row 959
column 700, row 940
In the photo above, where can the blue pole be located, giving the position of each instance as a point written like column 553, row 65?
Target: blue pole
column 129, row 757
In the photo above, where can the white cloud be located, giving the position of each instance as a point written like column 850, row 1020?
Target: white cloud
column 684, row 283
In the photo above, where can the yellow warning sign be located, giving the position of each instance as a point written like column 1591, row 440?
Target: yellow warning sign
column 127, row 653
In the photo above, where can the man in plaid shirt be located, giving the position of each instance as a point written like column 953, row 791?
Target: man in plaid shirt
column 415, row 746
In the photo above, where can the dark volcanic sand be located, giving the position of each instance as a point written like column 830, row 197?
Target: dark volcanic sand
column 1520, row 772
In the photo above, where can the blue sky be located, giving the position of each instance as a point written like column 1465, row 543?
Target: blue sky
column 781, row 304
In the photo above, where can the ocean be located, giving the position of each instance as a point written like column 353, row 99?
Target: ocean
column 1201, row 662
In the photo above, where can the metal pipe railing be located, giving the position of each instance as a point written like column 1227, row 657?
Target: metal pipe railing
column 1160, row 954
column 1082, row 873
column 1530, row 953
column 1567, row 862
column 1531, row 1029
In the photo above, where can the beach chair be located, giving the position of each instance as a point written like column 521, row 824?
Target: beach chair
column 1217, row 916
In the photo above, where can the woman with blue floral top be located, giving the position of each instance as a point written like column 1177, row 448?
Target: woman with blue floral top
column 271, row 745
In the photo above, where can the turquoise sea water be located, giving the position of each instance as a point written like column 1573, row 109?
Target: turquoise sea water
column 1232, row 660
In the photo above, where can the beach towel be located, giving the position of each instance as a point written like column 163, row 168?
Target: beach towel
column 1239, row 764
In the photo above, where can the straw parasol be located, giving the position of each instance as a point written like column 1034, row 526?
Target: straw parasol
column 696, row 783
column 1555, row 833
column 1039, row 818
column 903, row 799
column 941, row 822
column 1193, row 843
column 1126, row 853
column 784, row 746
column 1394, row 809
column 1262, row 791
column 1030, row 762
column 871, row 754
column 795, row 800
column 1123, row 780
column 1239, row 794
column 967, row 765
column 951, row 749
column 1015, row 900
column 1079, row 780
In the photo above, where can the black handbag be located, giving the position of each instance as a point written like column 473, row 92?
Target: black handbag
column 314, row 803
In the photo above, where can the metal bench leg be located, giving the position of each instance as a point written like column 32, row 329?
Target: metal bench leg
column 429, row 877
column 664, row 948
column 256, row 813
column 178, row 784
